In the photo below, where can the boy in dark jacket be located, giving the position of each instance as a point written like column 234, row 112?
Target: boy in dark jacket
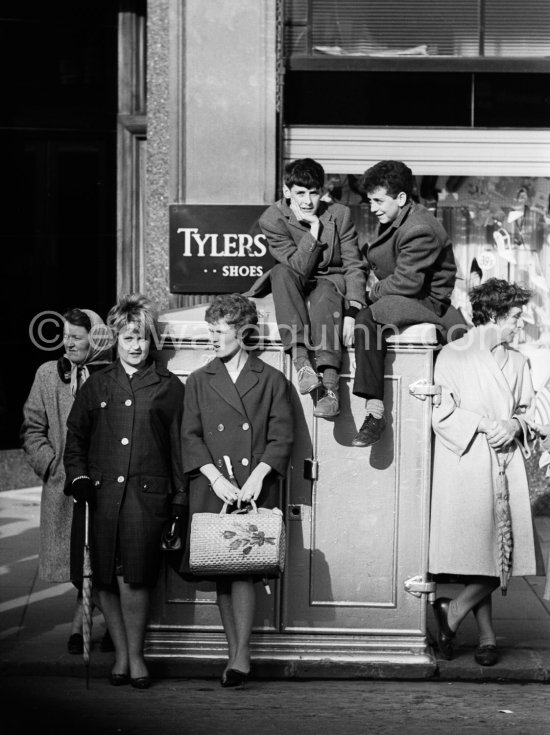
column 412, row 258
column 318, row 282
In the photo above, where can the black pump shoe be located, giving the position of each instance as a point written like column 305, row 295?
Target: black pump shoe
column 234, row 678
column 445, row 635
column 486, row 655
column 119, row 680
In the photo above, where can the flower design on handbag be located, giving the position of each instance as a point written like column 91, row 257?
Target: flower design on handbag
column 246, row 537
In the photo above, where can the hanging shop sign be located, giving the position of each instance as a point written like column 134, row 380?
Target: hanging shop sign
column 216, row 248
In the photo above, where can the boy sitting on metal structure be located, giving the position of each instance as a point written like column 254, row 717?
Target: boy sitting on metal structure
column 319, row 282
column 413, row 261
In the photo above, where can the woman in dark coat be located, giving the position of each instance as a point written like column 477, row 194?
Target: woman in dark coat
column 236, row 405
column 123, row 457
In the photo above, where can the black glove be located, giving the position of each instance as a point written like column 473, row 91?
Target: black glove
column 83, row 490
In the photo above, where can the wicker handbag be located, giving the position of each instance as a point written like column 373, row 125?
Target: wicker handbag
column 242, row 542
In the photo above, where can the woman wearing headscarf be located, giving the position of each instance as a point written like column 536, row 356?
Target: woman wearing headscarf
column 43, row 434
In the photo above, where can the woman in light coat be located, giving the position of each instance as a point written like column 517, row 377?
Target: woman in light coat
column 479, row 428
column 43, row 437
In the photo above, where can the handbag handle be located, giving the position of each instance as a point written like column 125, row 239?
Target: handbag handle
column 223, row 511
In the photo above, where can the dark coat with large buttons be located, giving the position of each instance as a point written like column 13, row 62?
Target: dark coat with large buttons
column 125, row 435
column 250, row 421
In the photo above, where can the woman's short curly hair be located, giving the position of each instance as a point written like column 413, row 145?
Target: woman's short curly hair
column 494, row 298
column 133, row 308
column 233, row 308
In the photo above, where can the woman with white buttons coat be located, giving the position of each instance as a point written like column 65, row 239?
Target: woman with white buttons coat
column 238, row 406
column 123, row 456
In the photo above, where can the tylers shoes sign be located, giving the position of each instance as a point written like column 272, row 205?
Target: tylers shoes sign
column 216, row 248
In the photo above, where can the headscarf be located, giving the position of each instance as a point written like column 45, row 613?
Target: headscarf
column 100, row 343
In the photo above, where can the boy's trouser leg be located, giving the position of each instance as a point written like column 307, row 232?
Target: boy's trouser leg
column 291, row 311
column 326, row 309
column 370, row 356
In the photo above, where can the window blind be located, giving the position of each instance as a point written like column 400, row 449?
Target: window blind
column 418, row 27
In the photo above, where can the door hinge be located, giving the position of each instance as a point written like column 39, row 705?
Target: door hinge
column 311, row 469
column 421, row 389
column 419, row 586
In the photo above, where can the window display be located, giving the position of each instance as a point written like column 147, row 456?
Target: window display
column 499, row 226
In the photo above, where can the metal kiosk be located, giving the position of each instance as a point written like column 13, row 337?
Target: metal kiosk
column 352, row 600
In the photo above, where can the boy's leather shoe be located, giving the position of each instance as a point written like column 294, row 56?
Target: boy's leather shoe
column 328, row 406
column 370, row 432
column 308, row 379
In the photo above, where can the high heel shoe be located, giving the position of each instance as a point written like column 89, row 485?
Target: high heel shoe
column 142, row 682
column 445, row 635
column 234, row 678
column 119, row 680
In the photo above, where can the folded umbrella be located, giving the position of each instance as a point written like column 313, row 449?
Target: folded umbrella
column 87, row 600
column 503, row 522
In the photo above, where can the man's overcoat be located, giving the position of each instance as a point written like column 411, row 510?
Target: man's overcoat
column 462, row 528
column 126, row 436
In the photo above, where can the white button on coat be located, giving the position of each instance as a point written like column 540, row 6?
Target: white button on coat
column 120, row 478
column 246, row 426
column 125, row 441
column 103, row 404
column 245, row 462
column 128, row 402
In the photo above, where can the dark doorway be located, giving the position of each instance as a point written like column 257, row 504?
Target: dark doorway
column 58, row 184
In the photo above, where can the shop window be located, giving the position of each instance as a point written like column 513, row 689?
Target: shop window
column 494, row 28
column 499, row 226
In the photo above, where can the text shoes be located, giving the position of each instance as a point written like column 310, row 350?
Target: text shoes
column 370, row 432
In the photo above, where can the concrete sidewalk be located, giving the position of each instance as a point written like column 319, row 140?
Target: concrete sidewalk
column 35, row 617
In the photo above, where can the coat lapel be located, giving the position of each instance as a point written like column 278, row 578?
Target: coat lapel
column 146, row 377
column 116, row 372
column 249, row 375
column 224, row 386
column 489, row 361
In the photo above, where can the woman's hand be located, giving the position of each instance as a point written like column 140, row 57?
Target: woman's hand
column 250, row 490
column 502, row 433
column 542, row 429
column 225, row 490
column 253, row 486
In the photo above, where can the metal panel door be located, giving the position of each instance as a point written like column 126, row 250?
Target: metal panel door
column 359, row 530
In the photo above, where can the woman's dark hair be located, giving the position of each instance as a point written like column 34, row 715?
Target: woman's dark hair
column 393, row 176
column 304, row 172
column 235, row 309
column 494, row 299
column 78, row 318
